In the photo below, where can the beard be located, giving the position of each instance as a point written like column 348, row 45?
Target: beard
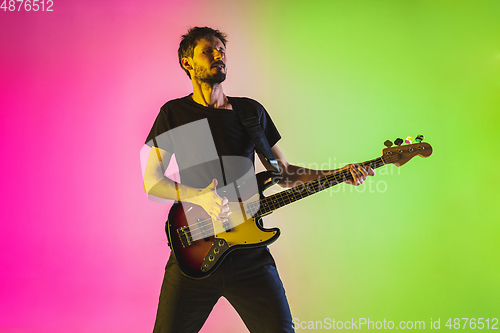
column 206, row 76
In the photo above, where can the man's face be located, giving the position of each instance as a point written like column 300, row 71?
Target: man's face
column 209, row 61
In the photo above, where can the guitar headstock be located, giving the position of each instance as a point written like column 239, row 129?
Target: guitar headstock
column 399, row 155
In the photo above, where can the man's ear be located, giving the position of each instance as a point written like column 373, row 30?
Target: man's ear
column 187, row 64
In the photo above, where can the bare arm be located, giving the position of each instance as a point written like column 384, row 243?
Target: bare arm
column 155, row 183
column 294, row 175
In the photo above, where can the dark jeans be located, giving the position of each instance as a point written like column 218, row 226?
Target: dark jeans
column 248, row 279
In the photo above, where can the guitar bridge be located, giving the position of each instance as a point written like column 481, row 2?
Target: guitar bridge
column 185, row 236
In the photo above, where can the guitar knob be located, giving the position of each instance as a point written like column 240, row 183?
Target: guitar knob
column 398, row 141
column 419, row 138
column 409, row 140
column 388, row 143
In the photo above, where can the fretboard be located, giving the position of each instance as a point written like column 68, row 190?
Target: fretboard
column 275, row 201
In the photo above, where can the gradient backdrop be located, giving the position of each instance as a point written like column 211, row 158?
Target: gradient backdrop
column 82, row 249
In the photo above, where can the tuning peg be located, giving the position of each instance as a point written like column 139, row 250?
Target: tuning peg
column 388, row 143
column 409, row 140
column 398, row 141
column 419, row 138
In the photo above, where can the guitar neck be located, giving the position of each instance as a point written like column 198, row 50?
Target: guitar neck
column 275, row 201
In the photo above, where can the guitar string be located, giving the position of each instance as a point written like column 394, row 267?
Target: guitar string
column 282, row 198
column 199, row 225
column 285, row 197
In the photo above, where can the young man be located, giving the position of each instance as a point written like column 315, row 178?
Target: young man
column 212, row 148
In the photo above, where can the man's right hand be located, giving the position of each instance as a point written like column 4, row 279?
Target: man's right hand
column 212, row 203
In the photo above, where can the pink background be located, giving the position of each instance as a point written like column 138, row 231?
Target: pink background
column 82, row 249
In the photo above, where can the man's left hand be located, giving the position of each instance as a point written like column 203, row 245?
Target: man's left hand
column 359, row 174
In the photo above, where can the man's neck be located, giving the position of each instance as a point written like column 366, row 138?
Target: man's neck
column 208, row 95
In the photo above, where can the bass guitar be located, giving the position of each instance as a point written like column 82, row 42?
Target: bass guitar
column 201, row 244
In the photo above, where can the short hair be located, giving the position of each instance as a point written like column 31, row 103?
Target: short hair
column 189, row 41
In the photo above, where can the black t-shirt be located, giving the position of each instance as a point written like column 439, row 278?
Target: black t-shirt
column 207, row 142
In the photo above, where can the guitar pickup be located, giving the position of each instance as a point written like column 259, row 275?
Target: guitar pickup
column 185, row 236
column 226, row 226
column 206, row 230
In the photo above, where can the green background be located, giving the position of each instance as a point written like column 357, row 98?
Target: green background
column 341, row 77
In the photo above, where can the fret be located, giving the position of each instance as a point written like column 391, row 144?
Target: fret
column 280, row 199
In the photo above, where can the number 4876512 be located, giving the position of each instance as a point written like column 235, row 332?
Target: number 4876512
column 472, row 323
column 27, row 5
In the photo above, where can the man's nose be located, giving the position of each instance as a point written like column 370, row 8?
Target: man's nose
column 217, row 54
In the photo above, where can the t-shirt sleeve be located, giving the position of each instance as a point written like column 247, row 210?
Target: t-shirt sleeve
column 270, row 130
column 159, row 135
